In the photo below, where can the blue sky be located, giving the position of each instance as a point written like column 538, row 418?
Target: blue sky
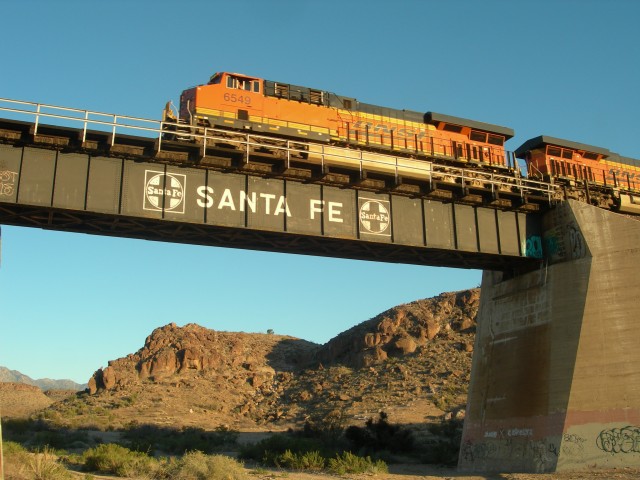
column 71, row 302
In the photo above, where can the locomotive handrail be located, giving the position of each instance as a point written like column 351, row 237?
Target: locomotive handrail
column 115, row 123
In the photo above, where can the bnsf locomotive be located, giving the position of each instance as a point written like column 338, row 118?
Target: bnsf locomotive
column 280, row 113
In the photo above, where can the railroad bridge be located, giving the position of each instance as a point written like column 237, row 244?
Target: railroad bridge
column 546, row 391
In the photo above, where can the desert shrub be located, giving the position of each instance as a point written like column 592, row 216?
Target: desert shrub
column 449, row 397
column 379, row 436
column 13, row 448
column 297, row 452
column 328, row 427
column 270, row 449
column 198, row 466
column 119, row 460
column 44, row 465
column 59, row 438
column 18, row 426
column 350, row 463
column 446, row 446
column 39, row 434
column 21, row 430
column 16, row 460
column 313, row 460
column 151, row 438
column 20, row 464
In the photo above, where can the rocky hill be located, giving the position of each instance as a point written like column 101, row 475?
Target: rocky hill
column 20, row 399
column 13, row 376
column 401, row 330
column 412, row 361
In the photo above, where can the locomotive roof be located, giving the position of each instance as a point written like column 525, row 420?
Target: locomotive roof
column 614, row 157
column 544, row 140
column 434, row 118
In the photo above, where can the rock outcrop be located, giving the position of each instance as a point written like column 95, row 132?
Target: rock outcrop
column 174, row 351
column 402, row 329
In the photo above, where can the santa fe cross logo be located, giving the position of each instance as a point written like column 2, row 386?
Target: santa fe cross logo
column 374, row 216
column 171, row 186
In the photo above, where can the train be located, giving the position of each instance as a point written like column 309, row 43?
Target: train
column 317, row 125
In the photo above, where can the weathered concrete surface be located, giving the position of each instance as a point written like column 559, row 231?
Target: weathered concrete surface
column 555, row 382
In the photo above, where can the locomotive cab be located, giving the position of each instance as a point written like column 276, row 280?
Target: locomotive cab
column 226, row 99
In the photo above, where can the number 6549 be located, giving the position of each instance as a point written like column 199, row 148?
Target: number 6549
column 232, row 97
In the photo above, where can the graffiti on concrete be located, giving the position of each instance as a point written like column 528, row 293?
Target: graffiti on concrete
column 514, row 449
column 533, row 247
column 551, row 245
column 619, row 440
column 519, row 432
column 566, row 242
column 573, row 445
column 578, row 248
column 554, row 245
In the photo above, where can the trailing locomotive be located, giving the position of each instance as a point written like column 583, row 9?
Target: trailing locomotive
column 590, row 174
column 280, row 113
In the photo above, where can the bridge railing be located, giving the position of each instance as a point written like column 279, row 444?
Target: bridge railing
column 74, row 117
column 325, row 155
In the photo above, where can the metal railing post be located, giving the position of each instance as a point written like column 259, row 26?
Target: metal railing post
column 113, row 131
column 204, row 141
column 248, row 149
column 35, row 127
column 396, row 172
column 288, row 154
column 84, row 129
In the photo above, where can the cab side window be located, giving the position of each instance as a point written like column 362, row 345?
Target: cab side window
column 243, row 84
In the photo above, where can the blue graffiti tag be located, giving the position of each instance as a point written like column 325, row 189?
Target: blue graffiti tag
column 551, row 245
column 533, row 247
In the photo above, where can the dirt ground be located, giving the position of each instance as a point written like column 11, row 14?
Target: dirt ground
column 428, row 472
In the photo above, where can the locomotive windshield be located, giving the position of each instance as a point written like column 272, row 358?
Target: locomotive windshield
column 215, row 79
column 241, row 83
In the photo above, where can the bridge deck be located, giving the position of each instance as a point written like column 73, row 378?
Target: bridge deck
column 238, row 192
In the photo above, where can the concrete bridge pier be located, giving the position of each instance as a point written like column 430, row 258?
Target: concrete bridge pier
column 555, row 382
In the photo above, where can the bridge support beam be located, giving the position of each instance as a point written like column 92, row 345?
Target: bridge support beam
column 555, row 382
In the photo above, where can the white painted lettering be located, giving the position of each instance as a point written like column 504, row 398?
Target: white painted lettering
column 335, row 212
column 226, row 200
column 244, row 200
column 282, row 207
column 204, row 193
column 315, row 206
column 273, row 204
column 268, row 197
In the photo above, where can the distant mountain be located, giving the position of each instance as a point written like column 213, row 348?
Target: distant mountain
column 13, row 376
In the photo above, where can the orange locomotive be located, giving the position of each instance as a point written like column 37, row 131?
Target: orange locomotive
column 241, row 102
column 589, row 173
column 275, row 112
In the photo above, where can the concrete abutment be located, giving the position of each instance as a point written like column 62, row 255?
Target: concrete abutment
column 555, row 382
